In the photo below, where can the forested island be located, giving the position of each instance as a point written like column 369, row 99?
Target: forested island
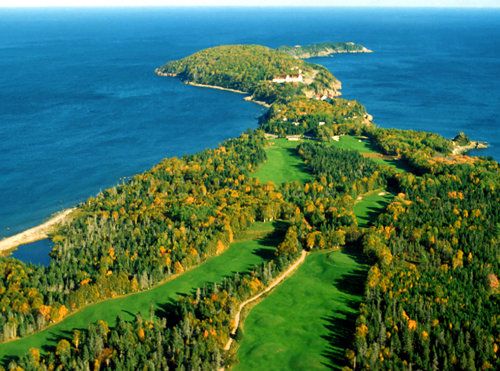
column 305, row 180
column 323, row 49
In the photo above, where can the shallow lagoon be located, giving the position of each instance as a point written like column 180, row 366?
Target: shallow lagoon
column 35, row 252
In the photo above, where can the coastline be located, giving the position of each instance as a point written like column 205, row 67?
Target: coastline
column 329, row 52
column 259, row 102
column 36, row 233
column 248, row 98
column 214, row 87
column 42, row 231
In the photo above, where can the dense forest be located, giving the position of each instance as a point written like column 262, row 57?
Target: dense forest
column 315, row 118
column 431, row 297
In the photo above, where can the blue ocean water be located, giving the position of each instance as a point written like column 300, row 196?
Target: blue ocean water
column 80, row 107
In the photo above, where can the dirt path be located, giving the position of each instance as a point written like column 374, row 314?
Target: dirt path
column 273, row 284
column 34, row 234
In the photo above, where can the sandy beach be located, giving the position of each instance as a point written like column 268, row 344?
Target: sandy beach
column 216, row 87
column 248, row 98
column 34, row 234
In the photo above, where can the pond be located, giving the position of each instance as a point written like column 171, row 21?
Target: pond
column 35, row 252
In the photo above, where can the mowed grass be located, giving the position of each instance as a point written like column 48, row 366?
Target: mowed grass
column 370, row 206
column 366, row 148
column 283, row 164
column 307, row 322
column 254, row 246
column 355, row 143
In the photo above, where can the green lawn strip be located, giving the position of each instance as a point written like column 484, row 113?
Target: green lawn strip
column 283, row 164
column 307, row 322
column 364, row 146
column 370, row 205
column 254, row 246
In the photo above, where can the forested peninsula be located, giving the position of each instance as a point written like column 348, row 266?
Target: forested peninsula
column 263, row 73
column 220, row 226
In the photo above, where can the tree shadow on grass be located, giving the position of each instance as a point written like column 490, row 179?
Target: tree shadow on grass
column 265, row 253
column 341, row 324
column 355, row 251
column 49, row 346
column 170, row 311
column 374, row 211
column 341, row 330
column 352, row 283
column 300, row 166
column 271, row 240
column 57, row 336
column 4, row 361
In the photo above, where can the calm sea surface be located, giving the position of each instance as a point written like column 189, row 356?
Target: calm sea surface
column 80, row 107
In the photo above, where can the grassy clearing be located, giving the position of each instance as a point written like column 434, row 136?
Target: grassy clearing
column 306, row 323
column 254, row 246
column 370, row 206
column 366, row 148
column 283, row 164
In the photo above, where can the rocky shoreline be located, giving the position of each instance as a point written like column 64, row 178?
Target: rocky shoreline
column 461, row 149
column 159, row 72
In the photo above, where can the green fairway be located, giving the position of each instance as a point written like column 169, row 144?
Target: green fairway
column 355, row 143
column 364, row 146
column 370, row 206
column 283, row 164
column 254, row 246
column 308, row 321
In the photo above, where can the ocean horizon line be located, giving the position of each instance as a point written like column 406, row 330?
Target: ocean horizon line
column 314, row 7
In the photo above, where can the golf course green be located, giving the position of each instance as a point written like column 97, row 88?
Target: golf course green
column 364, row 146
column 370, row 206
column 283, row 164
column 251, row 248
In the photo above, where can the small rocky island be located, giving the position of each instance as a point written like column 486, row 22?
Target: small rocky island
column 323, row 49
